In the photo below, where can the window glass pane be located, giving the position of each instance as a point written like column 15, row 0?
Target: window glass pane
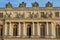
column 57, row 14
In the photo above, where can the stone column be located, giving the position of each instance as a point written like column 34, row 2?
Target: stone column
column 5, row 29
column 24, row 30
column 19, row 30
column 38, row 30
column 33, row 30
column 53, row 30
column 10, row 30
column 47, row 27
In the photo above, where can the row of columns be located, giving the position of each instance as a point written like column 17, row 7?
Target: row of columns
column 10, row 33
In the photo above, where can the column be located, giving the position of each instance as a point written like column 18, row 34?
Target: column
column 47, row 27
column 24, row 30
column 5, row 29
column 19, row 30
column 38, row 30
column 10, row 30
column 53, row 30
column 53, row 15
column 33, row 30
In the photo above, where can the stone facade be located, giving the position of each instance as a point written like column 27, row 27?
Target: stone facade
column 35, row 23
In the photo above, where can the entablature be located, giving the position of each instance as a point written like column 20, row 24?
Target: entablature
column 32, row 20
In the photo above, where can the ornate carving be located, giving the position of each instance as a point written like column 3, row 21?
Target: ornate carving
column 8, row 5
column 49, row 4
column 31, row 15
column 35, row 4
column 36, row 15
column 22, row 5
column 20, row 15
column 7, row 15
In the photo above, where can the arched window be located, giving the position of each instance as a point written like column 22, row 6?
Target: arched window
column 58, row 31
column 42, row 30
column 15, row 30
column 1, row 30
column 29, row 31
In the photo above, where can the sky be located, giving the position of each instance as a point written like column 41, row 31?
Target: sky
column 15, row 3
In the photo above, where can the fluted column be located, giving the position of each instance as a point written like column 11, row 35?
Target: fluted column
column 24, row 30
column 19, row 29
column 33, row 30
column 53, row 30
column 38, row 30
column 5, row 29
column 10, row 29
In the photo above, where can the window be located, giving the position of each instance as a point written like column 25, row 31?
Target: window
column 1, row 30
column 58, row 31
column 43, row 15
column 1, row 15
column 15, row 30
column 29, row 31
column 57, row 14
column 42, row 31
column 30, row 15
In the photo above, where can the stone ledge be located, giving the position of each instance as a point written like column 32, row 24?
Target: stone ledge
column 29, row 39
column 14, row 38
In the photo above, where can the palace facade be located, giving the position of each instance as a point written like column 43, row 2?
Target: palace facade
column 30, row 23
